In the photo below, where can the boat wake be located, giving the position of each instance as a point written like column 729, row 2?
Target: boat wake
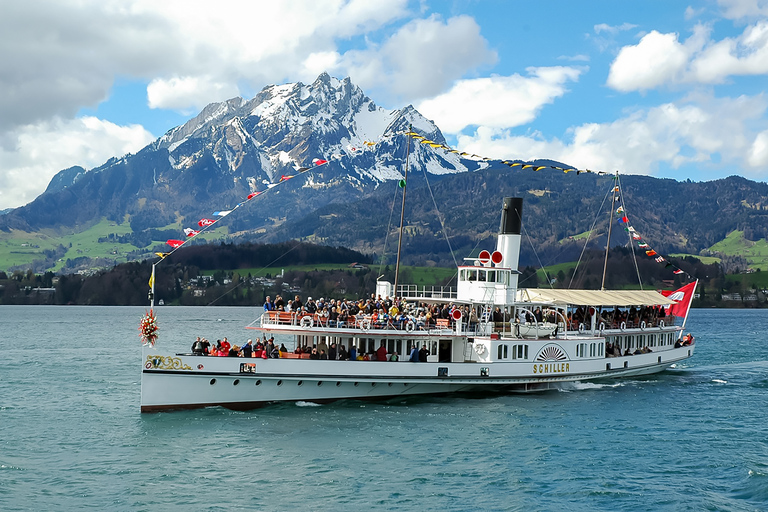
column 568, row 387
column 301, row 403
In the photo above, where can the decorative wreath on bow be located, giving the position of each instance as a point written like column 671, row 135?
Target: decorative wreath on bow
column 148, row 328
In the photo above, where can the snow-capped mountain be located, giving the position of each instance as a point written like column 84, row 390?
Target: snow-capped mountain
column 240, row 146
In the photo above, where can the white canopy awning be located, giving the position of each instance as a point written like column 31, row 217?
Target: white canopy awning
column 593, row 297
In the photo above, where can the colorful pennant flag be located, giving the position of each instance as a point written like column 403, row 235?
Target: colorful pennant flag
column 319, row 161
column 175, row 243
column 190, row 232
column 223, row 213
column 203, row 223
column 651, row 253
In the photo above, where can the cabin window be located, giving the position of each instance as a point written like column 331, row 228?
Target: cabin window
column 600, row 348
column 591, row 350
column 503, row 351
column 472, row 275
column 519, row 351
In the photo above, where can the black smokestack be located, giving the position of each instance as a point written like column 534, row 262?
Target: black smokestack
column 511, row 216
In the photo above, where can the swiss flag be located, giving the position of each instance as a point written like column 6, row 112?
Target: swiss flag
column 683, row 296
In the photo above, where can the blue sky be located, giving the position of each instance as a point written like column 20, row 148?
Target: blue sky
column 668, row 89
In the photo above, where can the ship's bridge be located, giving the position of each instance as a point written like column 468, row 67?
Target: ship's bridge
column 480, row 284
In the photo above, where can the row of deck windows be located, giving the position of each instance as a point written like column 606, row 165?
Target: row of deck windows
column 590, row 350
column 643, row 340
column 516, row 351
column 489, row 276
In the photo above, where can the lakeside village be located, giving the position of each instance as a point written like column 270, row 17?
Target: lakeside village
column 187, row 286
column 382, row 313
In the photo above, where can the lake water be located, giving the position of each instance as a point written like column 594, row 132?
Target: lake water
column 692, row 438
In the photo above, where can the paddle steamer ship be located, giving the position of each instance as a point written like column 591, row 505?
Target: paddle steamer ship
column 512, row 340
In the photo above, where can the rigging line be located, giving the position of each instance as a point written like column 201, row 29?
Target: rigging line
column 262, row 268
column 386, row 237
column 586, row 242
column 530, row 241
column 238, row 205
column 440, row 218
column 631, row 245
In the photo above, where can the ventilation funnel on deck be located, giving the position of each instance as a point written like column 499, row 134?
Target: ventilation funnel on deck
column 511, row 216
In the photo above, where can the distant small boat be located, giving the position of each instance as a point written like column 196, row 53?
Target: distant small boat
column 161, row 302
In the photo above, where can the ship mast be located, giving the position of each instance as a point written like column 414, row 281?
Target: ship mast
column 402, row 210
column 610, row 225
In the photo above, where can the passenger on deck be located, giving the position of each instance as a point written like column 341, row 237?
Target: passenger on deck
column 323, row 355
column 197, row 347
column 414, row 355
column 332, row 352
column 206, row 346
column 314, row 355
column 423, row 353
column 268, row 305
column 381, row 352
column 343, row 354
column 247, row 349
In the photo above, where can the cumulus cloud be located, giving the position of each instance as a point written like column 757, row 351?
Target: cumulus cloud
column 701, row 130
column 498, row 102
column 739, row 9
column 656, row 60
column 43, row 149
column 423, row 58
column 660, row 60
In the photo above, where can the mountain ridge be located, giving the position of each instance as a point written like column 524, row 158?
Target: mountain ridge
column 238, row 146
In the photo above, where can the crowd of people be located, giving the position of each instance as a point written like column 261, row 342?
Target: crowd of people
column 379, row 312
column 268, row 349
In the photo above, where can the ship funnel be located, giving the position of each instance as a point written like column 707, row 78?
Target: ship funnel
column 511, row 216
column 508, row 243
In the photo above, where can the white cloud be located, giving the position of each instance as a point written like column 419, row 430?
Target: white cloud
column 702, row 130
column 498, row 102
column 738, row 9
column 179, row 93
column 43, row 149
column 660, row 60
column 613, row 29
column 656, row 60
column 421, row 59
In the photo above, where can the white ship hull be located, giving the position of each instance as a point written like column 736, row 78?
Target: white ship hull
column 188, row 382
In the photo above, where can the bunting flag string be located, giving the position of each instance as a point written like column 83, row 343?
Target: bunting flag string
column 536, row 168
column 206, row 223
column 621, row 218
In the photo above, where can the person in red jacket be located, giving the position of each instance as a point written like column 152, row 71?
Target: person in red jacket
column 381, row 353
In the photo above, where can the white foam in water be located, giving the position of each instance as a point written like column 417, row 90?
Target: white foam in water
column 306, row 404
column 719, row 381
column 579, row 386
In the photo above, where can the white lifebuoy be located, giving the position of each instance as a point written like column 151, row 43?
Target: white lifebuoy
column 480, row 349
column 581, row 328
column 642, row 324
column 410, row 326
column 661, row 323
column 306, row 322
column 623, row 325
column 365, row 324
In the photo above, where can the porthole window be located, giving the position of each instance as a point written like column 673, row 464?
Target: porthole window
column 357, row 384
column 300, row 383
column 258, row 382
column 236, row 382
column 319, row 383
column 213, row 381
column 338, row 384
column 279, row 383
